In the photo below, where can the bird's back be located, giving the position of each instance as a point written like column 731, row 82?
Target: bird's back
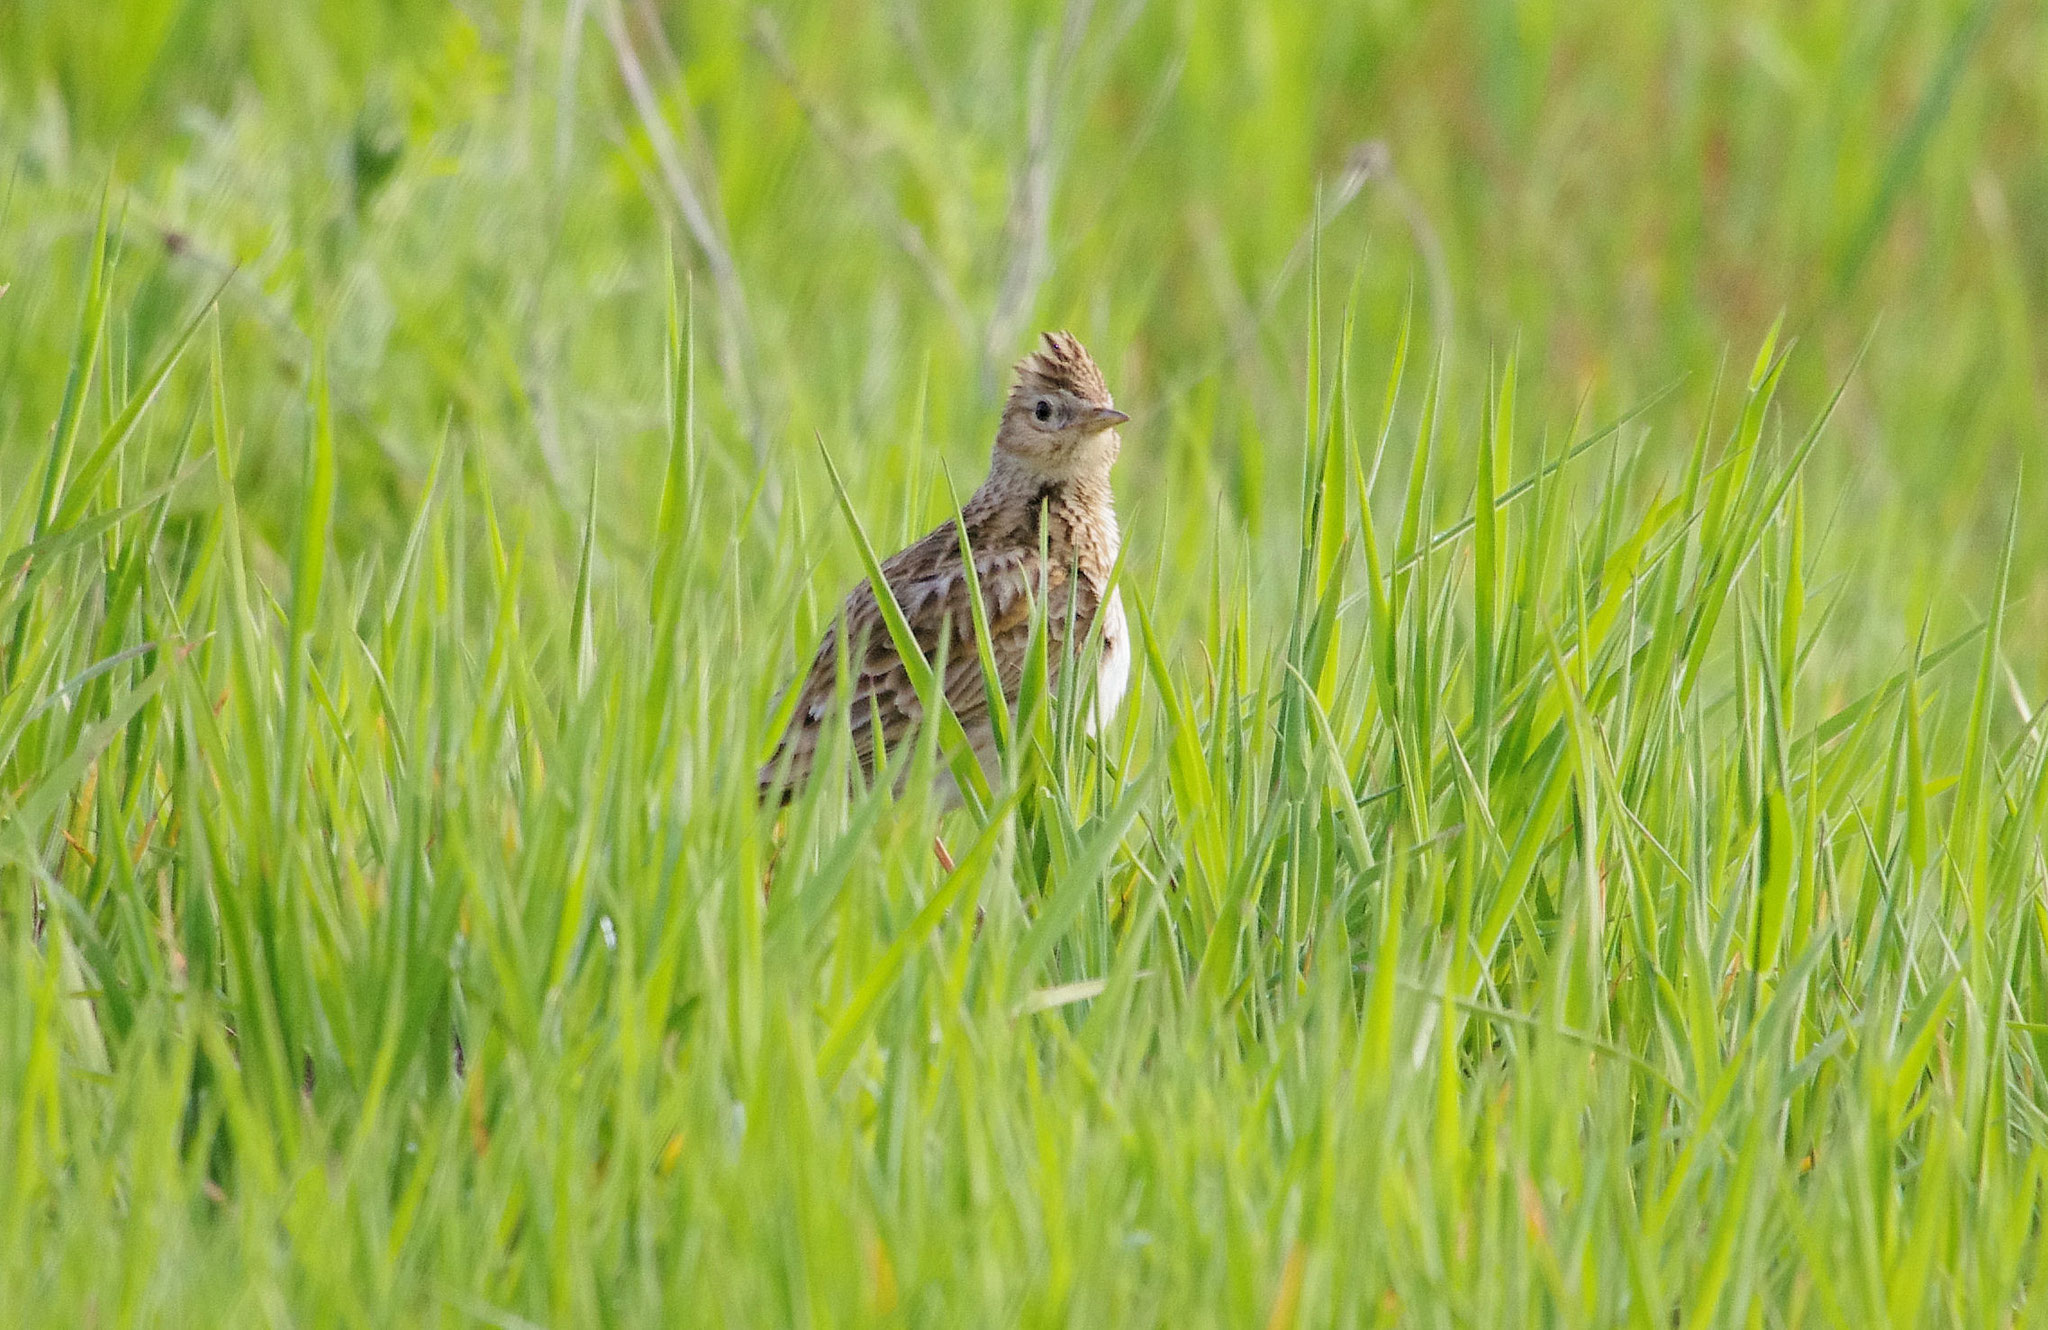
column 1024, row 542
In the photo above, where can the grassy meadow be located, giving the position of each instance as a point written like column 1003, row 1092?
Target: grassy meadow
column 1573, row 852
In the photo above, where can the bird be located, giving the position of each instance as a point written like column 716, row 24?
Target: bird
column 1042, row 526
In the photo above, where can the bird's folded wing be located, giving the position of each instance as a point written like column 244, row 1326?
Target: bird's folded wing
column 928, row 582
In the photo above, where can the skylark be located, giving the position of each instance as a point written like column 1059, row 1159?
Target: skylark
column 1042, row 523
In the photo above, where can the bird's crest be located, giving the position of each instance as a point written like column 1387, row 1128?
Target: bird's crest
column 1061, row 364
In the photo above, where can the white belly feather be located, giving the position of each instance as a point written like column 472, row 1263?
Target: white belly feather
column 1113, row 672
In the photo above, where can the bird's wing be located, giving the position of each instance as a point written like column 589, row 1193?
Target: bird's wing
column 928, row 582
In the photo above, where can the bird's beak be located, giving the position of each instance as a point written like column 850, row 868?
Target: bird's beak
column 1102, row 418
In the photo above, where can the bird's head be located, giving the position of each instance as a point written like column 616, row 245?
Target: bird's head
column 1059, row 421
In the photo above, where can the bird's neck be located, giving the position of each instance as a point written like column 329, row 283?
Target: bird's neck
column 1072, row 512
column 1084, row 489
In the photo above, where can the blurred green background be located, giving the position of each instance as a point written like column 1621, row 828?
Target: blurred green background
column 468, row 202
column 478, row 789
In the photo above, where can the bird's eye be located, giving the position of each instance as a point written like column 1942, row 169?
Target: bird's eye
column 1043, row 411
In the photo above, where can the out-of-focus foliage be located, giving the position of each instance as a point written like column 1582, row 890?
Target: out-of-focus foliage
column 1574, row 848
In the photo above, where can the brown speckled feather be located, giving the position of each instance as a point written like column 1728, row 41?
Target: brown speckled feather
column 1047, row 480
column 927, row 583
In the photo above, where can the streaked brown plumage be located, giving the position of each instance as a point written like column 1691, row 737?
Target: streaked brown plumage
column 1049, row 475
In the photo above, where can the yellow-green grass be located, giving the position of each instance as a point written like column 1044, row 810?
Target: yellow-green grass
column 1572, row 852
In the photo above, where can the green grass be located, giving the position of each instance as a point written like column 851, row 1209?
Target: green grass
column 1573, row 852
